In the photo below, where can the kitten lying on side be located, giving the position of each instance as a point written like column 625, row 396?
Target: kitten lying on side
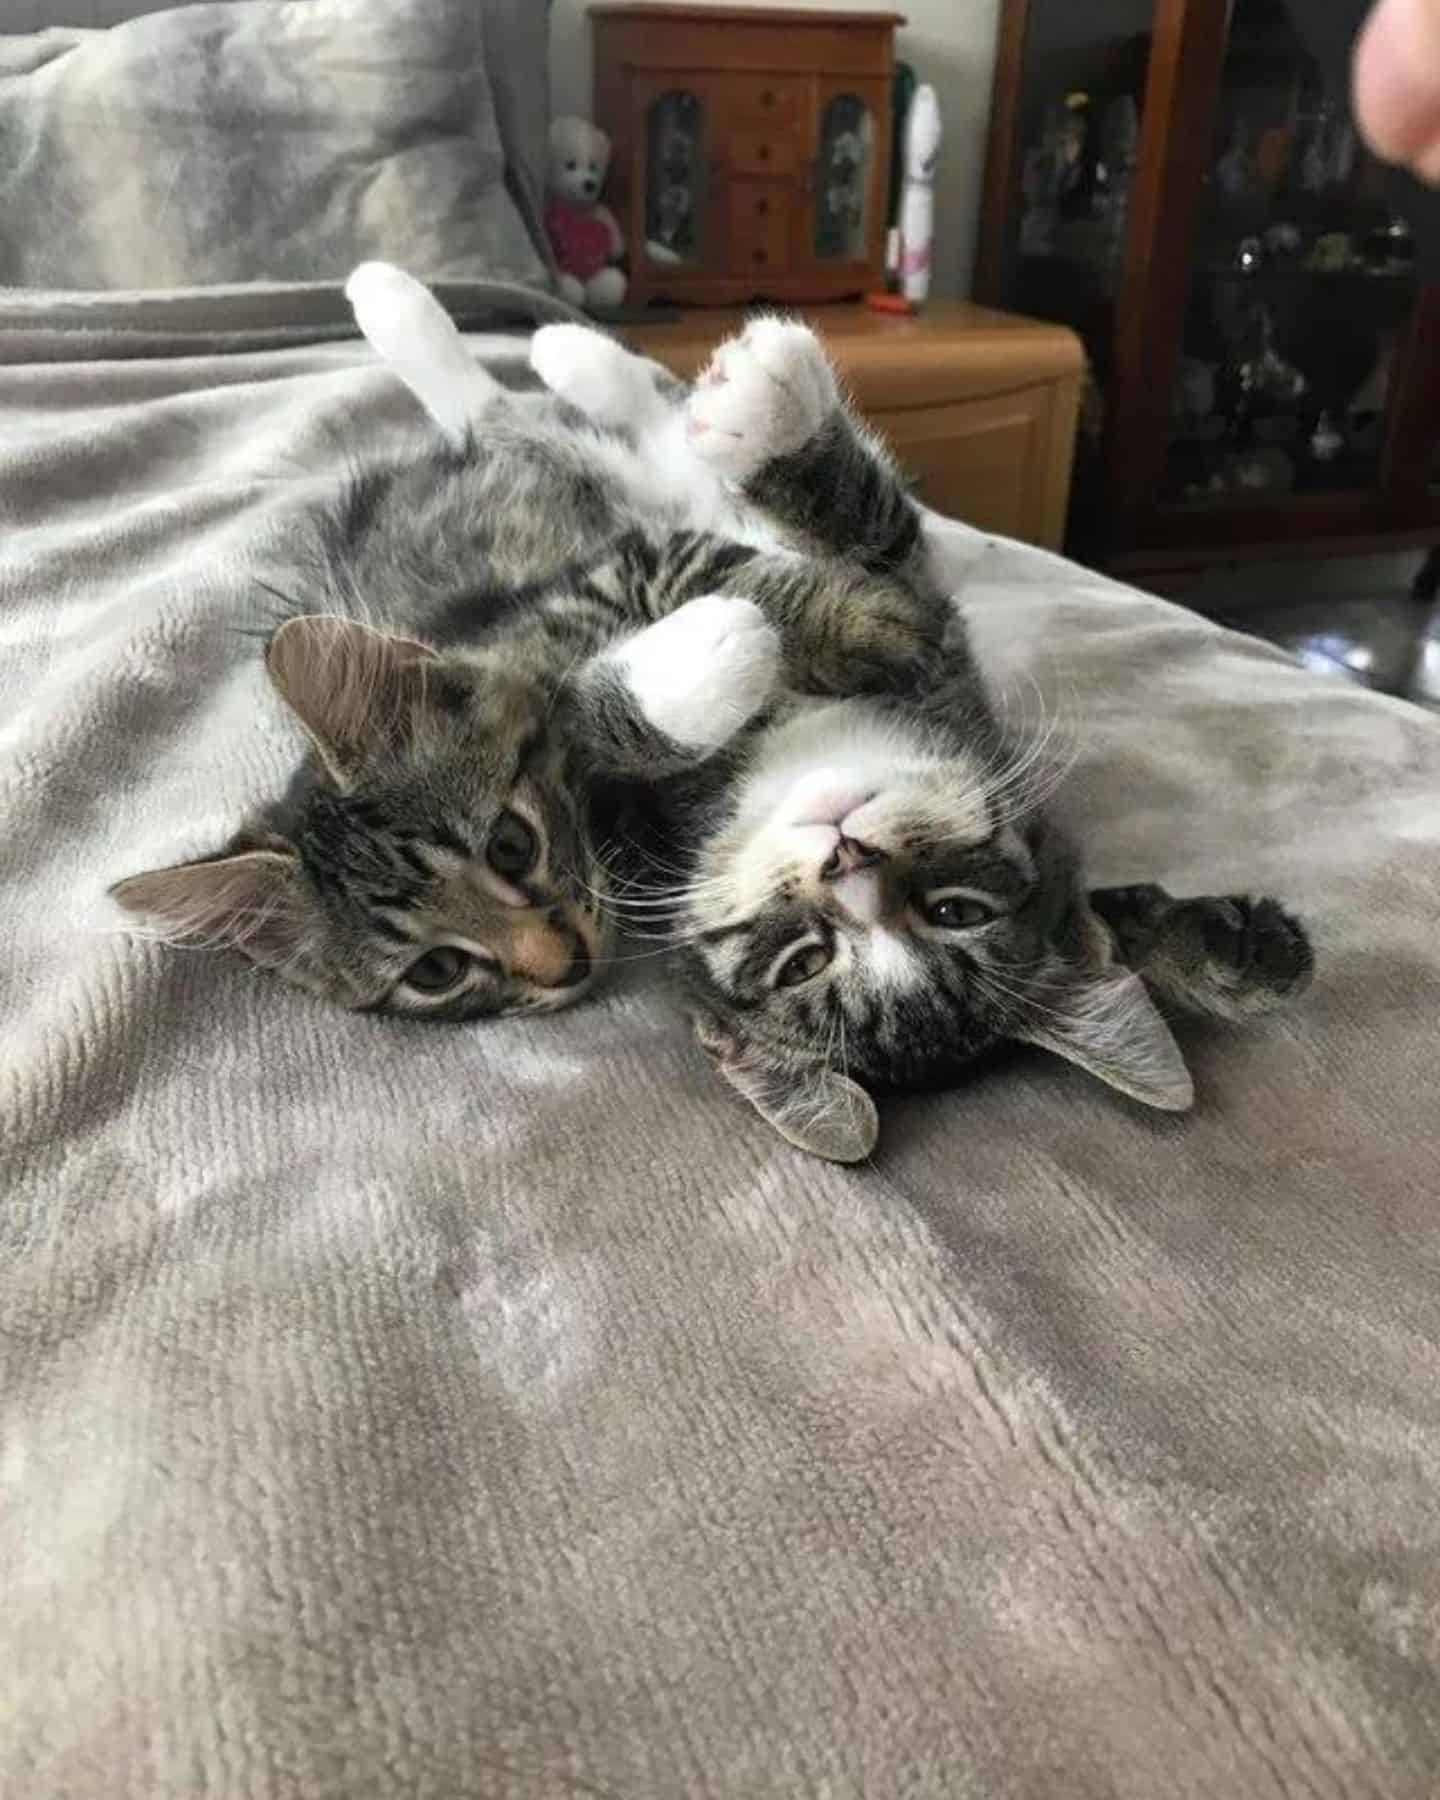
column 729, row 599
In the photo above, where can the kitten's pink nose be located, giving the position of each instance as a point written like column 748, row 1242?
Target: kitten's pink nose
column 849, row 855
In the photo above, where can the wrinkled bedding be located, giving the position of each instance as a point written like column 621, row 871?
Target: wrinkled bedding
column 395, row 1410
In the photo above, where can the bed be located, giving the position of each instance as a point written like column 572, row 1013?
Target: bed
column 391, row 1410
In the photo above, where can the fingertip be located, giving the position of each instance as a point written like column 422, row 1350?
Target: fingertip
column 1396, row 84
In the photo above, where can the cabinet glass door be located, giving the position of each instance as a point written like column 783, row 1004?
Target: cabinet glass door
column 1303, row 283
column 1079, row 110
column 1079, row 137
column 846, row 171
column 844, row 174
column 677, row 175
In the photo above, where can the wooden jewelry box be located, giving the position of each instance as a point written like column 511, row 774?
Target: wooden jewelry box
column 751, row 148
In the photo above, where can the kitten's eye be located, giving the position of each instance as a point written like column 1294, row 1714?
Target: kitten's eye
column 958, row 912
column 437, row 971
column 803, row 964
column 511, row 848
column 571, row 165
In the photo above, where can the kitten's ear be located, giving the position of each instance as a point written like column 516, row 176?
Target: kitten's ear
column 253, row 901
column 810, row 1105
column 1108, row 1025
column 351, row 687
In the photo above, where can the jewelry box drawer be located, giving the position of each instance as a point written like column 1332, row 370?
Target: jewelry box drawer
column 769, row 104
column 765, row 153
column 760, row 220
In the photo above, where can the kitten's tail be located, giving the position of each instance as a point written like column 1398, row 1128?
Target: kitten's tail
column 409, row 328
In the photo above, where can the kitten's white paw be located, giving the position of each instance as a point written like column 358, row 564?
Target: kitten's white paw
column 765, row 394
column 593, row 373
column 701, row 672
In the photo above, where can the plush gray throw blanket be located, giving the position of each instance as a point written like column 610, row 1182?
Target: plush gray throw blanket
column 397, row 1410
column 279, row 140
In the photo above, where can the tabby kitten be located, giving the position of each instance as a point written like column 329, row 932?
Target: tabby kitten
column 729, row 600
column 874, row 892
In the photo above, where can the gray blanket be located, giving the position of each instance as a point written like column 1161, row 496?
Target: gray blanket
column 397, row 1410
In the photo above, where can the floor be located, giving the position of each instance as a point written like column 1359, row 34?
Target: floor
column 1348, row 616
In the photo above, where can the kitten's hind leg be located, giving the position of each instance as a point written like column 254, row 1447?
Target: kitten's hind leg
column 1224, row 955
column 768, row 415
column 409, row 328
column 599, row 377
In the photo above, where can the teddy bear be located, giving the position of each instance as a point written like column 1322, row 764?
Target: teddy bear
column 582, row 232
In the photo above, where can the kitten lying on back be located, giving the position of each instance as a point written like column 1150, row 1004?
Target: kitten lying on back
column 874, row 892
column 729, row 600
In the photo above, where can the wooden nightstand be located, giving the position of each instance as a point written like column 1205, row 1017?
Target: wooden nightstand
column 979, row 406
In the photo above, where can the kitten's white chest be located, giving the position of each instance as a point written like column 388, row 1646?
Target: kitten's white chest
column 844, row 746
column 663, row 472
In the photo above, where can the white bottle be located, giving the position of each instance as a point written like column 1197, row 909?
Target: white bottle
column 917, row 200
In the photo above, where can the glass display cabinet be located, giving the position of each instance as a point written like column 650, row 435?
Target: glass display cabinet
column 1175, row 180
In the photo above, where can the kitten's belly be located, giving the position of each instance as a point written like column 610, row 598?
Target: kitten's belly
column 549, row 508
column 666, row 479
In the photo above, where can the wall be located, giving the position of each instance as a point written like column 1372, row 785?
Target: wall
column 950, row 43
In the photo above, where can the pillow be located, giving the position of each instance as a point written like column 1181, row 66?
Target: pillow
column 270, row 140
